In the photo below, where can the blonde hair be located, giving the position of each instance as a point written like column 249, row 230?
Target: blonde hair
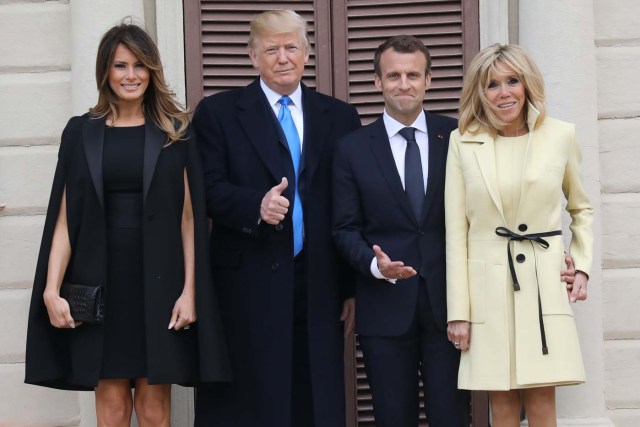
column 275, row 22
column 159, row 103
column 476, row 112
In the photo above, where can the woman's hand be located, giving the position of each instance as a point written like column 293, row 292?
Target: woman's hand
column 58, row 310
column 459, row 333
column 184, row 312
column 578, row 290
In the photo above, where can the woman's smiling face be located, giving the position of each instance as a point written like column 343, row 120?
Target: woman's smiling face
column 128, row 77
column 506, row 93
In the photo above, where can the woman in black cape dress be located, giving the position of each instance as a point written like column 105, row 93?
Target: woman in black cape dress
column 127, row 212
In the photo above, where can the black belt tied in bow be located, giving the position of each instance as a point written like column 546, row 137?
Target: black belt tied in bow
column 533, row 237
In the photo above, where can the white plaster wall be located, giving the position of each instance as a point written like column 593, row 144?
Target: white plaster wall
column 617, row 41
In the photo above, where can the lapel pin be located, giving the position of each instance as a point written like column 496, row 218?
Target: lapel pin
column 440, row 136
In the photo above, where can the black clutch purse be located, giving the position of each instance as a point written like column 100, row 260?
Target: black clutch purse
column 86, row 302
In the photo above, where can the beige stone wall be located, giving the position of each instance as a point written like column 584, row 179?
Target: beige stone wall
column 35, row 103
column 44, row 47
column 617, row 41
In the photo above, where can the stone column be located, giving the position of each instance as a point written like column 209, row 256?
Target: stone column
column 170, row 31
column 89, row 21
column 560, row 36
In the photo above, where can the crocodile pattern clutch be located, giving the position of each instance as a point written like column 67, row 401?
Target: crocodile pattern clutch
column 86, row 302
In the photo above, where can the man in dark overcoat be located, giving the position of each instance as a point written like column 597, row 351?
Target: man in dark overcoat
column 267, row 152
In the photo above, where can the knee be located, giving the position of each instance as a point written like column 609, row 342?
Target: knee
column 152, row 410
column 540, row 402
column 505, row 404
column 114, row 410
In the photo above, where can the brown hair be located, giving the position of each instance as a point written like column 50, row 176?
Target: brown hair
column 159, row 103
column 476, row 113
column 401, row 44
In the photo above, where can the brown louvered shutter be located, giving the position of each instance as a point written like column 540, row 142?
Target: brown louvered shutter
column 438, row 23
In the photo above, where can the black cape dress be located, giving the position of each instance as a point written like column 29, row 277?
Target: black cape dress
column 73, row 358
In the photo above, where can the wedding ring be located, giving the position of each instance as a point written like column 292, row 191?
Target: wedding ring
column 456, row 344
column 186, row 327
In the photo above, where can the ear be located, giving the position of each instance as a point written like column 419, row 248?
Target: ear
column 427, row 81
column 254, row 59
column 377, row 81
column 306, row 54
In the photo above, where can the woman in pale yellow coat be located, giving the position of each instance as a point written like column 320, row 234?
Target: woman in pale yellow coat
column 507, row 170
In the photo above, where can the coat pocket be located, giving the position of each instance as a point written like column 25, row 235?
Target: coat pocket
column 477, row 289
column 553, row 292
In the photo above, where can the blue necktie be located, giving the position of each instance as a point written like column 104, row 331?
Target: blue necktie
column 413, row 178
column 293, row 140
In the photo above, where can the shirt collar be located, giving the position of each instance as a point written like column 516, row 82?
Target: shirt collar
column 273, row 97
column 393, row 126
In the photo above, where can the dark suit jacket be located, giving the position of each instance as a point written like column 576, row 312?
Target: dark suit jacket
column 370, row 208
column 244, row 155
column 71, row 359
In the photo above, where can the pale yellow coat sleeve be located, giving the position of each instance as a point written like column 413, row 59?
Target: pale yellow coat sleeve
column 457, row 227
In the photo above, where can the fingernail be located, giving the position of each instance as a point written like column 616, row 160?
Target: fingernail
column 170, row 326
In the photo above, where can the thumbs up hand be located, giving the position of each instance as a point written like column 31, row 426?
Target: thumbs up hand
column 274, row 205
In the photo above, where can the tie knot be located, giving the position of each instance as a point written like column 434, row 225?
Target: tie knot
column 285, row 100
column 408, row 133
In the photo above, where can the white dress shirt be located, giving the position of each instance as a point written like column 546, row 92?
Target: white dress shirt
column 295, row 107
column 399, row 148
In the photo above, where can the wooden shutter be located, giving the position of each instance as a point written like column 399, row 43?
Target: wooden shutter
column 438, row 23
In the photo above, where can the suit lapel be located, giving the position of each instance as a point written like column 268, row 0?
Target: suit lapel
column 486, row 157
column 316, row 128
column 382, row 152
column 437, row 159
column 258, row 122
column 93, row 141
column 154, row 140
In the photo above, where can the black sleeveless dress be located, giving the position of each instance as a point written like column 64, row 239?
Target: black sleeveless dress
column 124, row 348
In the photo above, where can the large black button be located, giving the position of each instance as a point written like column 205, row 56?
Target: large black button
column 278, row 226
column 520, row 258
column 522, row 227
column 421, row 232
column 275, row 266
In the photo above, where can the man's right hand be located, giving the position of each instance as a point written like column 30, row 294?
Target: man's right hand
column 274, row 205
column 392, row 269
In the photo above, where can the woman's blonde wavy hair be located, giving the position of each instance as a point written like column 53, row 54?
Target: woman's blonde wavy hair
column 159, row 103
column 476, row 112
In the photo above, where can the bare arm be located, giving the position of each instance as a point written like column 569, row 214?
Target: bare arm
column 184, row 310
column 57, row 307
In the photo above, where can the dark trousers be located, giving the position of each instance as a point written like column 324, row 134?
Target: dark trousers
column 301, row 391
column 392, row 365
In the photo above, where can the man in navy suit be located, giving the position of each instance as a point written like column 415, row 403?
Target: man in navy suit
column 388, row 221
column 267, row 151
